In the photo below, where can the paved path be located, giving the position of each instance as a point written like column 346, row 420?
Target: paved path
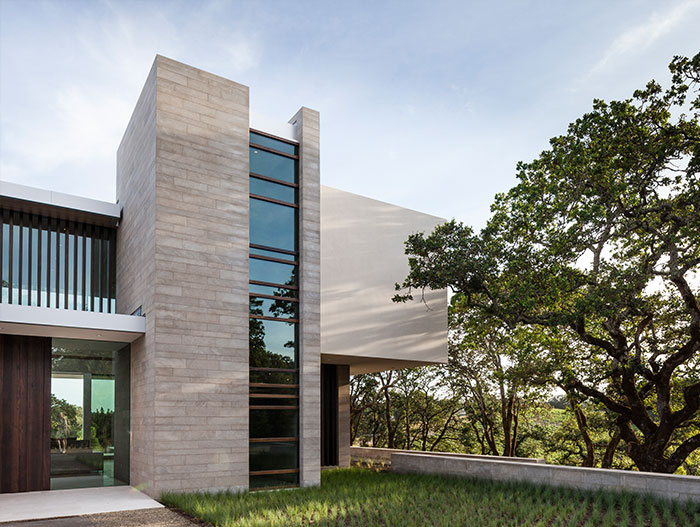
column 137, row 518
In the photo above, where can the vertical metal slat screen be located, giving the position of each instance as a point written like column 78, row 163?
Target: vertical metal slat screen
column 48, row 262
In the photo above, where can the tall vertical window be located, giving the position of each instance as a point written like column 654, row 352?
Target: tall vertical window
column 274, row 313
column 58, row 263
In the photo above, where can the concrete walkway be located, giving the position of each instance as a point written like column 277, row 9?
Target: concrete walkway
column 140, row 518
column 23, row 506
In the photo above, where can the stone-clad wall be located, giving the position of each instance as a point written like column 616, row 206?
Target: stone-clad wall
column 343, row 415
column 183, row 253
column 308, row 134
column 136, row 161
column 201, row 281
column 668, row 486
column 383, row 455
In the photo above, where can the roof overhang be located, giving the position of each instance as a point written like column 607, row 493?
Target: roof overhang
column 64, row 323
column 58, row 205
column 360, row 365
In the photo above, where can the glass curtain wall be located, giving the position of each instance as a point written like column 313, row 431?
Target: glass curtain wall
column 274, row 313
column 56, row 263
column 90, row 413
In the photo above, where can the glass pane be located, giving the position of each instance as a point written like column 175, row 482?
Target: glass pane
column 90, row 413
column 272, row 190
column 273, row 254
column 5, row 277
column 272, row 344
column 273, row 272
column 274, row 401
column 267, row 307
column 272, row 165
column 274, row 456
column 274, row 291
column 274, row 423
column 272, row 143
column 267, row 389
column 273, row 377
column 272, row 225
column 274, row 480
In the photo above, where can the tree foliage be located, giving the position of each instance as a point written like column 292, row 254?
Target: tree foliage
column 598, row 245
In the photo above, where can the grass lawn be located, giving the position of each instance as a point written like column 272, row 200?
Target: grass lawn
column 361, row 497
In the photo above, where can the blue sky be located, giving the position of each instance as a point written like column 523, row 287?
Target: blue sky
column 428, row 105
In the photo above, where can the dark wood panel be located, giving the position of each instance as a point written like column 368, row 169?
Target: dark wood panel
column 25, row 406
column 329, row 415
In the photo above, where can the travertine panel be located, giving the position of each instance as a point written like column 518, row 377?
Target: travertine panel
column 343, row 372
column 308, row 124
column 195, row 294
column 136, row 160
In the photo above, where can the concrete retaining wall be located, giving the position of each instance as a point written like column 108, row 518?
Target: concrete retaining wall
column 662, row 485
column 383, row 455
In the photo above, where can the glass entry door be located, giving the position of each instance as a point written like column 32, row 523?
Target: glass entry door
column 89, row 413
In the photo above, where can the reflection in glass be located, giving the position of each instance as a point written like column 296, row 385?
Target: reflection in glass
column 273, row 455
column 263, row 140
column 273, row 377
column 272, row 190
column 272, row 344
column 274, row 291
column 268, row 307
column 89, row 414
column 272, row 225
column 273, row 423
column 272, row 272
column 274, row 480
column 272, row 165
column 273, row 254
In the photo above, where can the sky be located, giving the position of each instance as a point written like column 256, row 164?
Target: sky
column 428, row 105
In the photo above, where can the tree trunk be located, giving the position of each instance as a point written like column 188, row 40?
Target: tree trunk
column 582, row 422
column 609, row 455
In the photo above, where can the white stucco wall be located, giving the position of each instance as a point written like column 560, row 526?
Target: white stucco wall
column 362, row 257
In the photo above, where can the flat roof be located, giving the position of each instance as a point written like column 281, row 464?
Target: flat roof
column 57, row 204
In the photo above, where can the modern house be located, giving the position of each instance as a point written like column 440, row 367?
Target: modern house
column 200, row 332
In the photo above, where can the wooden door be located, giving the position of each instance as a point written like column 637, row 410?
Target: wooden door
column 25, row 408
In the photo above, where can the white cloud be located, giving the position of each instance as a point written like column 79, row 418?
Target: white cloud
column 642, row 36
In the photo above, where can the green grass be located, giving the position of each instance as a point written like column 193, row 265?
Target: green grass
column 361, row 497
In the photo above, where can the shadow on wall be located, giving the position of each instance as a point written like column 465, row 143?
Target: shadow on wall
column 362, row 257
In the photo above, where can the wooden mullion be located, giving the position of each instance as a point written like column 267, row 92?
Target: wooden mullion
column 66, row 271
column 273, row 439
column 272, row 385
column 273, row 259
column 272, row 407
column 2, row 244
column 272, row 284
column 48, row 262
column 275, row 201
column 275, row 370
column 275, row 137
column 273, row 396
column 75, row 266
column 273, row 297
column 273, row 151
column 84, row 277
column 274, row 472
column 262, row 317
column 21, row 257
column 273, row 249
column 274, row 180
column 112, row 269
column 39, row 256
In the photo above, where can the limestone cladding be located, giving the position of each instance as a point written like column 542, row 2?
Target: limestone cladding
column 308, row 126
column 183, row 253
